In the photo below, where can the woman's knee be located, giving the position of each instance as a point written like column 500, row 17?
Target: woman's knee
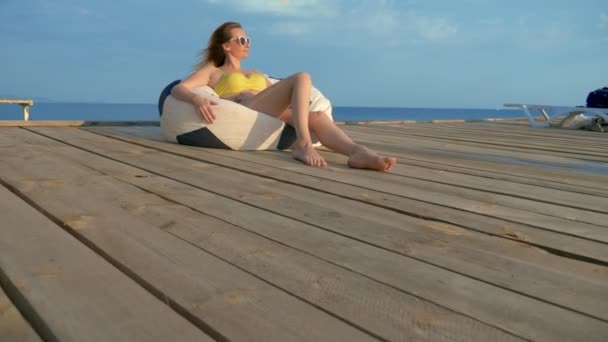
column 302, row 78
column 317, row 117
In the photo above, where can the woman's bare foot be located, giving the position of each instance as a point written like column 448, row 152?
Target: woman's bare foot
column 307, row 154
column 362, row 158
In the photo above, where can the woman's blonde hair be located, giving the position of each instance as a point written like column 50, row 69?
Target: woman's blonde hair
column 214, row 53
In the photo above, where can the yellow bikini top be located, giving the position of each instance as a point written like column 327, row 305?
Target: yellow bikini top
column 236, row 82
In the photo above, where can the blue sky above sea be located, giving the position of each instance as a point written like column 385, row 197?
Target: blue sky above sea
column 361, row 53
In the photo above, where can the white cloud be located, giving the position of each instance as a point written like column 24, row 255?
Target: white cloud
column 291, row 8
column 603, row 20
column 433, row 29
column 377, row 23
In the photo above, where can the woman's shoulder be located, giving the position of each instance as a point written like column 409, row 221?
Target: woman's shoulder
column 205, row 75
column 208, row 68
column 215, row 75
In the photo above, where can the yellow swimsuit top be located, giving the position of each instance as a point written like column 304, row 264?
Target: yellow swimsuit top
column 236, row 82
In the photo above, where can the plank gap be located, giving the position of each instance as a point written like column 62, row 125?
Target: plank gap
column 39, row 324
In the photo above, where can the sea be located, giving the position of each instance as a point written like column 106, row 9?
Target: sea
column 149, row 112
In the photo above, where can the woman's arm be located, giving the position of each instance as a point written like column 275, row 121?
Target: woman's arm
column 183, row 91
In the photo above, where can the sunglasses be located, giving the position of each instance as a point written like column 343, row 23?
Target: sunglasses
column 242, row 40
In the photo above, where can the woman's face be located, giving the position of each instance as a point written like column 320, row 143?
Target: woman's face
column 238, row 45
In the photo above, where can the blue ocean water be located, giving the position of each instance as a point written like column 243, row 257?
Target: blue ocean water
column 149, row 112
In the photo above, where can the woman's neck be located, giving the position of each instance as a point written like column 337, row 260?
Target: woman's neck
column 232, row 64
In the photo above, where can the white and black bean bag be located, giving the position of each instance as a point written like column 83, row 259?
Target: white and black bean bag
column 236, row 127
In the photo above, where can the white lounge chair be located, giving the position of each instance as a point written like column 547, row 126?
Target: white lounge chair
column 563, row 117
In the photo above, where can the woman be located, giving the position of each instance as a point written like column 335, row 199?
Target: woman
column 287, row 100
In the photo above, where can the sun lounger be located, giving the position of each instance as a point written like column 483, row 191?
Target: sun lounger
column 558, row 116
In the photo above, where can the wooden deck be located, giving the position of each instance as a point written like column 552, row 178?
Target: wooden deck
column 483, row 232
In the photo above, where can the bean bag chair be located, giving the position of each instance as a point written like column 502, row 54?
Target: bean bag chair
column 236, row 127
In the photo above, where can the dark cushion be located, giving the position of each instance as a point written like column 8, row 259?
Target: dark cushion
column 163, row 95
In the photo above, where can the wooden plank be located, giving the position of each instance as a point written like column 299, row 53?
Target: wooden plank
column 69, row 293
column 381, row 307
column 573, row 143
column 570, row 149
column 523, row 131
column 568, row 142
column 424, row 146
column 393, row 133
column 526, row 165
column 588, row 143
column 585, row 210
column 540, row 194
column 399, row 134
column 511, row 147
column 230, row 303
column 521, row 122
column 453, row 174
column 72, row 123
column 13, row 327
column 347, row 184
column 567, row 138
column 517, row 169
column 497, row 175
column 385, row 311
column 384, row 270
column 545, row 208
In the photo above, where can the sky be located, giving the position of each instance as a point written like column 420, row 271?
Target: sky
column 373, row 53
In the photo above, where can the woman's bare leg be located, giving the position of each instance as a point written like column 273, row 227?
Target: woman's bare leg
column 274, row 100
column 332, row 137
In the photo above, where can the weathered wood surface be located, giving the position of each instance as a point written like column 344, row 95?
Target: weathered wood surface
column 530, row 163
column 68, row 292
column 488, row 140
column 379, row 307
column 13, row 327
column 463, row 241
column 402, row 201
column 72, row 123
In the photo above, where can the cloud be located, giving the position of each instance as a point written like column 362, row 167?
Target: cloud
column 603, row 20
column 290, row 8
column 433, row 29
column 377, row 22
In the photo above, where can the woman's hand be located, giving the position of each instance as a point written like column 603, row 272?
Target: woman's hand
column 204, row 108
